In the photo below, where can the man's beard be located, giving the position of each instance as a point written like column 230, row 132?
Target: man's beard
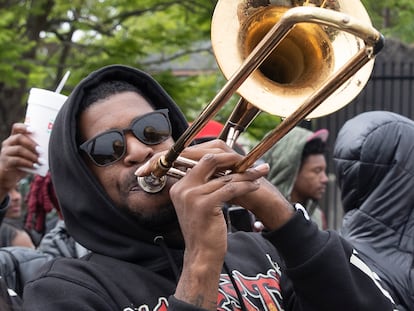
column 161, row 221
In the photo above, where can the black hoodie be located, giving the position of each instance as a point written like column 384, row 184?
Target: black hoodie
column 375, row 168
column 127, row 271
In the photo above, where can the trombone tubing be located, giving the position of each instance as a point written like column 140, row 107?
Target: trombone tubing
column 265, row 47
column 329, row 87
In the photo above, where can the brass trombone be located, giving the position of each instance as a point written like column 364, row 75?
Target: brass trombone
column 293, row 59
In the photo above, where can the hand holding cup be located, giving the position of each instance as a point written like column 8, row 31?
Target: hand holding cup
column 42, row 108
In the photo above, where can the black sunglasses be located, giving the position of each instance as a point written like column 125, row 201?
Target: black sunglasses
column 110, row 146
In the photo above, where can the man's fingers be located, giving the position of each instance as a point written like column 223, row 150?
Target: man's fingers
column 22, row 140
column 20, row 128
column 14, row 163
column 216, row 146
column 231, row 185
column 24, row 153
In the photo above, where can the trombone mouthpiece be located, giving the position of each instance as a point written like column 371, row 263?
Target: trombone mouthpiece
column 152, row 183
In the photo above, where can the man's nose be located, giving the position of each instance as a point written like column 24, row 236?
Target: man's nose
column 324, row 178
column 15, row 195
column 136, row 151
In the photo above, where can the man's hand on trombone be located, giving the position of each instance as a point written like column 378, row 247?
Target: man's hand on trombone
column 211, row 183
column 198, row 198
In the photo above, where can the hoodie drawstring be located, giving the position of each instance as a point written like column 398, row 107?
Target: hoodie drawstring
column 159, row 240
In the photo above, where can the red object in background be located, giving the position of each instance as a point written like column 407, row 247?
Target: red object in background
column 212, row 129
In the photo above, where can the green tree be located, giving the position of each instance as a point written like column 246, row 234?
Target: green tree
column 43, row 39
column 394, row 18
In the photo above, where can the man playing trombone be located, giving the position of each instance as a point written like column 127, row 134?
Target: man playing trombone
column 170, row 250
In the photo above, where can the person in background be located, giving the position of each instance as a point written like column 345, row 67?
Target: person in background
column 55, row 242
column 12, row 231
column 19, row 261
column 18, row 151
column 171, row 249
column 12, row 236
column 42, row 208
column 298, row 169
column 374, row 164
column 14, row 216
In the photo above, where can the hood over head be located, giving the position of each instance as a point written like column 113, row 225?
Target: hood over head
column 89, row 214
column 285, row 157
column 374, row 165
column 372, row 153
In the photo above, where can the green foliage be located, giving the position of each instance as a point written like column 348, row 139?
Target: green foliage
column 82, row 36
column 12, row 47
column 394, row 18
column 43, row 39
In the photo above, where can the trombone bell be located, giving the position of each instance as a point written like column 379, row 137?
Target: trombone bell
column 299, row 64
column 302, row 60
column 291, row 61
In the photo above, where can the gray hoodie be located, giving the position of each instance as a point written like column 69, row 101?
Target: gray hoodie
column 284, row 159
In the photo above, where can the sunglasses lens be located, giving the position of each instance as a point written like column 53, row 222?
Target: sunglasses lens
column 107, row 148
column 152, row 129
column 110, row 146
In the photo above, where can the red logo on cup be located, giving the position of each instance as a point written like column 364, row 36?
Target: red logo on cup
column 49, row 126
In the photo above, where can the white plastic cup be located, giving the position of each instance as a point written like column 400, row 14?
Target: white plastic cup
column 42, row 108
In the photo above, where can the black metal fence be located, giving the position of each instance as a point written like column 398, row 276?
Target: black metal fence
column 391, row 88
